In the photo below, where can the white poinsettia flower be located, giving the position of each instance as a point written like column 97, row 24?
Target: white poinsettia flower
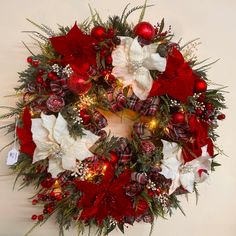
column 53, row 141
column 132, row 64
column 184, row 174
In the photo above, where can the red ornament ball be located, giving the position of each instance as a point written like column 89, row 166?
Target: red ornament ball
column 79, row 84
column 35, row 63
column 34, row 217
column 221, row 117
column 98, row 32
column 145, row 30
column 200, row 86
column 29, row 60
column 178, row 118
column 40, row 217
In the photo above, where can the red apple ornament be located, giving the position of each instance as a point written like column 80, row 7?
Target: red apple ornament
column 98, row 32
column 178, row 118
column 200, row 86
column 145, row 30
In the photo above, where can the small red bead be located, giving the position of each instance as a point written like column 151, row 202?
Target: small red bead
column 50, row 210
column 109, row 60
column 29, row 60
column 40, row 196
column 178, row 118
column 110, row 33
column 158, row 191
column 45, row 211
column 150, row 193
column 199, row 112
column 59, row 197
column 209, row 106
column 221, row 117
column 39, row 80
column 40, row 72
column 52, row 194
column 51, row 75
column 111, row 78
column 202, row 97
column 34, row 202
column 40, row 217
column 104, row 72
column 34, row 217
column 35, row 63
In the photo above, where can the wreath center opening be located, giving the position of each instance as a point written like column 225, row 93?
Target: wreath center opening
column 120, row 124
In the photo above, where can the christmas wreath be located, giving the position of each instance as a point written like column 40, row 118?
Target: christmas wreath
column 84, row 78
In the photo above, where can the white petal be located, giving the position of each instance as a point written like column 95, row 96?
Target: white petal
column 60, row 131
column 54, row 167
column 48, row 122
column 39, row 133
column 170, row 168
column 123, row 74
column 175, row 184
column 170, row 149
column 142, row 84
column 89, row 138
column 136, row 51
column 155, row 62
column 187, row 181
column 150, row 49
column 41, row 139
column 144, row 79
column 39, row 155
column 199, row 179
column 120, row 54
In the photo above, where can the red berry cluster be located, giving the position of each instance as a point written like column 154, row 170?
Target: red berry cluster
column 106, row 41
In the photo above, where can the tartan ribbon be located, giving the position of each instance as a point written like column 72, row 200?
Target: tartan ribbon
column 124, row 150
column 141, row 129
column 118, row 101
column 98, row 123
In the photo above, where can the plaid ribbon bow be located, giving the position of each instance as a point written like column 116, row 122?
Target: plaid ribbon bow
column 98, row 122
column 124, row 151
column 118, row 101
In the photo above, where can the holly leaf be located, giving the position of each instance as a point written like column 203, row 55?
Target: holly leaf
column 121, row 227
column 213, row 165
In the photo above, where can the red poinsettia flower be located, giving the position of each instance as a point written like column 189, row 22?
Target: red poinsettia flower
column 178, row 79
column 76, row 48
column 199, row 133
column 24, row 134
column 107, row 198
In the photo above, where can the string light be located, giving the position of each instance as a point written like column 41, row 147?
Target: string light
column 85, row 101
column 153, row 124
column 57, row 188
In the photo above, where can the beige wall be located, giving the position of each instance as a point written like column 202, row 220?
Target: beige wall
column 212, row 20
